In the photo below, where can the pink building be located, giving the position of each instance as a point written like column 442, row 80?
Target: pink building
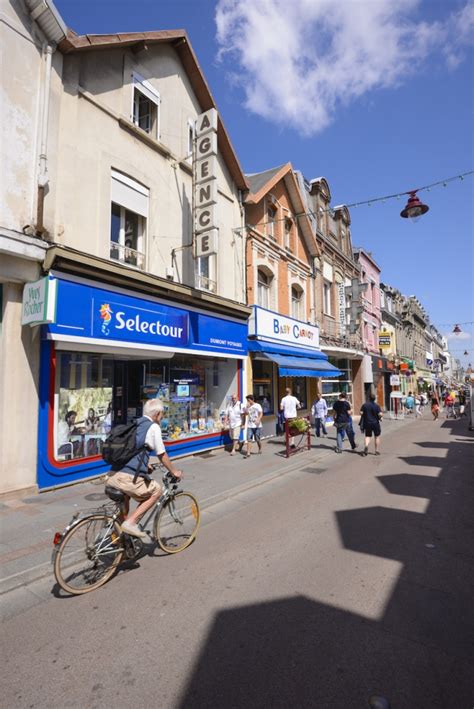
column 371, row 318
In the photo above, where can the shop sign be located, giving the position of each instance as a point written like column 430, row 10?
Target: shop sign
column 39, row 302
column 429, row 358
column 271, row 326
column 99, row 315
column 342, row 308
column 385, row 339
column 394, row 380
column 205, row 185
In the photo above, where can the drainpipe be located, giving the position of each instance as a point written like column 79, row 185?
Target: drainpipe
column 43, row 179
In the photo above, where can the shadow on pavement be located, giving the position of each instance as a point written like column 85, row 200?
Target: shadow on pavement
column 296, row 652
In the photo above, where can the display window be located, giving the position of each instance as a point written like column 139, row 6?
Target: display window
column 83, row 404
column 263, row 384
column 195, row 392
column 93, row 392
column 331, row 388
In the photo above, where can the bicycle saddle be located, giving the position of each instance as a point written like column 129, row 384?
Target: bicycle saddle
column 114, row 494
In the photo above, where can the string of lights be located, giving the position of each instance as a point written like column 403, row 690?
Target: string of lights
column 368, row 202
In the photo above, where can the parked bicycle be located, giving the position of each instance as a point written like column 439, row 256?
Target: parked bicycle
column 92, row 546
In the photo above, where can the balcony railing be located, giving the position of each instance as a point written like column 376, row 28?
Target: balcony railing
column 332, row 331
column 205, row 283
column 125, row 254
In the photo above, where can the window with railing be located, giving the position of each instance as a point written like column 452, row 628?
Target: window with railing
column 205, row 274
column 128, row 219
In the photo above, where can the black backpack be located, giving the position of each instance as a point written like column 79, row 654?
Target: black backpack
column 120, row 446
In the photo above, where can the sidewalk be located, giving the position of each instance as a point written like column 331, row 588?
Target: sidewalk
column 28, row 524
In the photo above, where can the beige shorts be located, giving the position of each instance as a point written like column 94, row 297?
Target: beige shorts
column 141, row 490
column 235, row 433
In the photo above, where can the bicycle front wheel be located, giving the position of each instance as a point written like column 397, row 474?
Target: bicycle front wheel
column 89, row 554
column 177, row 523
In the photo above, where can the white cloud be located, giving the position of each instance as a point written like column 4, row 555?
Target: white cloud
column 297, row 61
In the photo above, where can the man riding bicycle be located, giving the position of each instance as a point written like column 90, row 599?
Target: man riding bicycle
column 134, row 479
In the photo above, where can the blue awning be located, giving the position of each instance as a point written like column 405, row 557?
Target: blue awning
column 270, row 348
column 303, row 366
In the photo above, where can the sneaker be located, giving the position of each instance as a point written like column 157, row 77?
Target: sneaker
column 354, row 447
column 337, row 450
column 133, row 529
column 366, row 450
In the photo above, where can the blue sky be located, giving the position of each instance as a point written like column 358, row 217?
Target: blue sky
column 375, row 96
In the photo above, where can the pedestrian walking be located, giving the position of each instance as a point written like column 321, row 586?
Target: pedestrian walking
column 254, row 413
column 434, row 406
column 289, row 406
column 420, row 405
column 342, row 413
column 449, row 404
column 319, row 411
column 350, row 434
column 371, row 414
column 462, row 403
column 410, row 403
column 233, row 420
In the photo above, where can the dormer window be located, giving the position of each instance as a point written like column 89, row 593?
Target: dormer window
column 145, row 106
column 271, row 219
column 288, row 227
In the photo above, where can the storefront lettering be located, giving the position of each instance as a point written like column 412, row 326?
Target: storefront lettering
column 285, row 329
column 155, row 328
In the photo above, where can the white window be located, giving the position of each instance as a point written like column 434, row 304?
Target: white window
column 264, row 284
column 145, row 106
column 190, row 140
column 327, row 298
column 205, row 273
column 288, row 225
column 296, row 302
column 129, row 213
column 271, row 218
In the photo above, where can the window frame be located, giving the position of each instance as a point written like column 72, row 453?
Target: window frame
column 264, row 286
column 142, row 86
column 298, row 301
column 327, row 301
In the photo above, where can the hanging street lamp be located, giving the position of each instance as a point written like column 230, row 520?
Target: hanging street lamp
column 414, row 208
column 456, row 330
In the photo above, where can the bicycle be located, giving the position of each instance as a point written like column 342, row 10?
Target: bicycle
column 92, row 546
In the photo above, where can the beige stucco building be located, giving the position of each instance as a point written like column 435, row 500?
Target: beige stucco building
column 101, row 146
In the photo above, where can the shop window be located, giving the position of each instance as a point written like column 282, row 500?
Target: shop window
column 195, row 392
column 146, row 106
column 263, row 385
column 297, row 302
column 298, row 388
column 331, row 388
column 83, row 404
column 264, row 284
column 128, row 217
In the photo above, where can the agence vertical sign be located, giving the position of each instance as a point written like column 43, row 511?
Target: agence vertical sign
column 205, row 185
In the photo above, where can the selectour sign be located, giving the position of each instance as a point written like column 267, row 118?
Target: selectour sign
column 272, row 326
column 205, row 185
column 39, row 302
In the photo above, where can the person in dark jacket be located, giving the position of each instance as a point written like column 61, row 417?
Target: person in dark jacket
column 371, row 414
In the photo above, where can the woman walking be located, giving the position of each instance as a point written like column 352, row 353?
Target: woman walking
column 434, row 406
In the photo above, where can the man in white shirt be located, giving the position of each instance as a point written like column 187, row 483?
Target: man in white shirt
column 233, row 420
column 254, row 413
column 319, row 411
column 134, row 479
column 289, row 405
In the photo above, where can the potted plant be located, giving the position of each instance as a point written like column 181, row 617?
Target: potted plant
column 298, row 426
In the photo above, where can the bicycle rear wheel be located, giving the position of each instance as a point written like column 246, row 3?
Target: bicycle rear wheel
column 177, row 523
column 89, row 554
